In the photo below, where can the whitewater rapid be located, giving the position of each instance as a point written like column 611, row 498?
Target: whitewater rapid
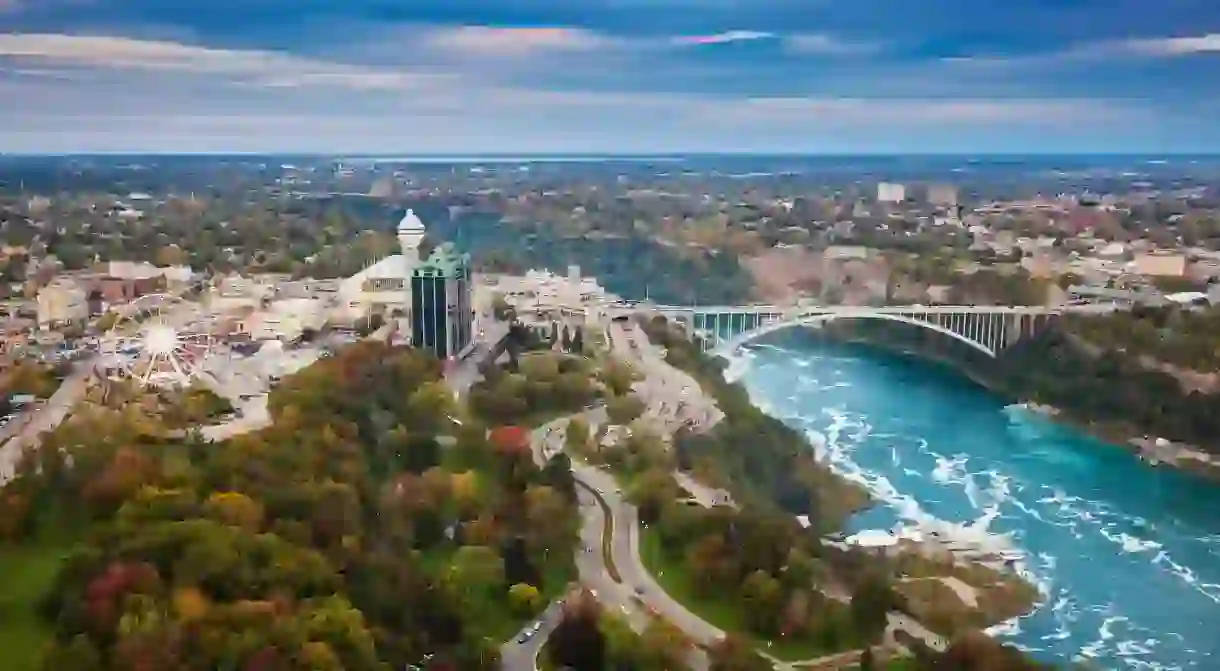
column 1127, row 558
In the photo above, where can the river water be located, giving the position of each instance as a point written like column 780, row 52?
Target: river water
column 1126, row 556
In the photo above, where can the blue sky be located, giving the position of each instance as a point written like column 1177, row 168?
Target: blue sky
column 624, row 76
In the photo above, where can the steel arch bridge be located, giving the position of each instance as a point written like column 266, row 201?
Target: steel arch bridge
column 988, row 329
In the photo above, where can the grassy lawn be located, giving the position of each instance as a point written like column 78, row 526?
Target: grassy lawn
column 722, row 612
column 29, row 570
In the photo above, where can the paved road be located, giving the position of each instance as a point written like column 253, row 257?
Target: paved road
column 466, row 372
column 46, row 417
column 672, row 397
column 637, row 586
column 521, row 653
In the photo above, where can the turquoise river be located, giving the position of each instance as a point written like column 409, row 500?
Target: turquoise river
column 1126, row 556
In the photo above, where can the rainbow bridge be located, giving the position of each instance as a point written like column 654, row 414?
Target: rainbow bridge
column 987, row 328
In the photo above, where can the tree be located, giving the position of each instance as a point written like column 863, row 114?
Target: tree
column 866, row 660
column 618, row 377
column 500, row 309
column 871, row 601
column 544, row 507
column 558, row 474
column 525, row 599
column 476, row 567
column 512, row 441
column 623, row 410
column 735, row 653
column 578, row 341
column 554, row 338
column 170, row 255
column 577, row 641
column 78, row 655
column 763, row 597
column 566, row 339
column 236, row 509
column 662, row 646
column 466, row 490
column 576, row 435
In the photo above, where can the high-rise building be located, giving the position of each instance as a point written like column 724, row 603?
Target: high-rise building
column 891, row 193
column 442, row 314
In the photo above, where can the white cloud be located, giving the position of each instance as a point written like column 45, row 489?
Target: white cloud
column 724, row 38
column 1175, row 46
column 914, row 111
column 269, row 67
column 818, row 43
column 1091, row 53
column 122, row 93
column 516, row 41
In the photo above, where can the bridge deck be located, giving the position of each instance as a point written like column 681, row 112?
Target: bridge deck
column 887, row 309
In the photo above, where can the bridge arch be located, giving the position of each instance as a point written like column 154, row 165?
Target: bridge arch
column 744, row 338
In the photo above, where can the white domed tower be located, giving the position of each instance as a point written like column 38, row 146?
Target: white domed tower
column 411, row 234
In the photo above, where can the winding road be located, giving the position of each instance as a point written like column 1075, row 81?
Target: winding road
column 635, row 585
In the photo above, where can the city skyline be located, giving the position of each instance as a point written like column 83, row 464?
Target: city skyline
column 613, row 77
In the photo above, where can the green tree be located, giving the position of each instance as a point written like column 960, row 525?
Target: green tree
column 736, row 653
column 576, row 435
column 525, row 599
column 618, row 377
column 871, row 601
column 475, row 568
column 623, row 410
column 79, row 654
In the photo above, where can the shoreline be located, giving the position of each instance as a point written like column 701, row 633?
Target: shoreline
column 1153, row 451
column 942, row 547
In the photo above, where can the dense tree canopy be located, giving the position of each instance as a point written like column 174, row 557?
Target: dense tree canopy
column 343, row 536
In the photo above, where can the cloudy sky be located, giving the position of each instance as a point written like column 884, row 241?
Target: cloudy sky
column 620, row 76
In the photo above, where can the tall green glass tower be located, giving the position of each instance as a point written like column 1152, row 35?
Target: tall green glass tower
column 442, row 315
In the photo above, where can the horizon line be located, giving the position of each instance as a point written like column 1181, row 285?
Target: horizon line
column 398, row 156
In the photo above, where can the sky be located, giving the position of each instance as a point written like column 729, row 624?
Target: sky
column 418, row 77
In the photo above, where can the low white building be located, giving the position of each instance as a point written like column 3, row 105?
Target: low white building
column 543, row 295
column 891, row 193
column 285, row 320
column 131, row 270
column 385, row 286
column 234, row 292
column 63, row 301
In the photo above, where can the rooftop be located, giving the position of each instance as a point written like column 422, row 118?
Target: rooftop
column 411, row 223
column 444, row 261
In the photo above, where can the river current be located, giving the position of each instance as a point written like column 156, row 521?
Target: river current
column 1127, row 557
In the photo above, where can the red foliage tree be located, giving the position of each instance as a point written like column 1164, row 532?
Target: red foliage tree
column 510, row 440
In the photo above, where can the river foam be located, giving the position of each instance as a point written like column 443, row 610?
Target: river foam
column 1124, row 556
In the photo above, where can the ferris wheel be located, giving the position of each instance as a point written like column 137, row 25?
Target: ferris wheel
column 159, row 340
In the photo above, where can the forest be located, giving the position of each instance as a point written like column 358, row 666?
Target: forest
column 364, row 529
